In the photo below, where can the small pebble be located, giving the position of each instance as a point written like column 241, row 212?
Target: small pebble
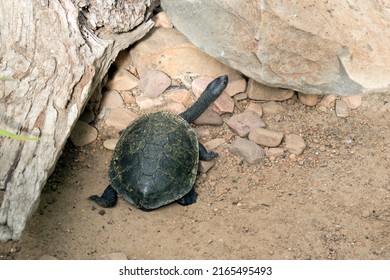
column 295, row 144
column 353, row 102
column 342, row 110
column 308, row 99
column 110, row 144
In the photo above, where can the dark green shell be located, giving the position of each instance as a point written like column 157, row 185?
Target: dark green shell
column 155, row 161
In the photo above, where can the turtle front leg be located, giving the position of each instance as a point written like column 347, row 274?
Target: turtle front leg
column 204, row 154
column 189, row 198
column 108, row 198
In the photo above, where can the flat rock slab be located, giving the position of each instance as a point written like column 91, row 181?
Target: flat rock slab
column 112, row 99
column 145, row 102
column 262, row 92
column 248, row 150
column 274, row 152
column 120, row 118
column 237, row 84
column 272, row 107
column 266, row 137
column 209, row 117
column 122, row 80
column 212, row 144
column 256, row 107
column 182, row 96
column 244, row 122
column 153, row 83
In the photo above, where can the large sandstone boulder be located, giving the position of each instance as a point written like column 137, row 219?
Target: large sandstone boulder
column 309, row 46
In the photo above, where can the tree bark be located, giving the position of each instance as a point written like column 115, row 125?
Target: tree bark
column 57, row 53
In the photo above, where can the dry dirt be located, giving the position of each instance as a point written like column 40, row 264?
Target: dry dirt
column 331, row 202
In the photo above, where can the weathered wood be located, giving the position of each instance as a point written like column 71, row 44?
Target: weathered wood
column 57, row 53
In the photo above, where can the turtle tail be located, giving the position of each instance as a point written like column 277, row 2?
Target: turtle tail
column 108, row 198
column 210, row 94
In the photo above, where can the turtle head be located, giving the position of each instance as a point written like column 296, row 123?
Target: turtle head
column 210, row 94
column 217, row 86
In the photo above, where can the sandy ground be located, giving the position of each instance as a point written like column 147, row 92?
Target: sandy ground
column 331, row 202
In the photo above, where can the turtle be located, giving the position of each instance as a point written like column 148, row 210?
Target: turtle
column 156, row 159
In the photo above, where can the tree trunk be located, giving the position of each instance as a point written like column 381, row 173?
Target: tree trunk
column 57, row 53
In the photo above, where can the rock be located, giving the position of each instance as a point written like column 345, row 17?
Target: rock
column 120, row 118
column 295, row 144
column 237, row 84
column 110, row 144
column 256, row 107
column 310, row 47
column 167, row 50
column 272, row 108
column 209, row 117
column 328, row 100
column 113, row 256
column 202, row 132
column 112, row 99
column 153, row 83
column 174, row 107
column 265, row 137
column 308, row 99
column 244, row 122
column 258, row 91
column 205, row 166
column 341, row 108
column 83, row 134
column 353, row 102
column 182, row 96
column 161, row 20
column 122, row 80
column 248, row 150
column 145, row 103
column 223, row 104
column 240, row 96
column 212, row 144
column 274, row 152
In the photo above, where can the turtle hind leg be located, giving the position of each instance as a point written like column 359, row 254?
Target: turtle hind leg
column 189, row 198
column 204, row 154
column 108, row 198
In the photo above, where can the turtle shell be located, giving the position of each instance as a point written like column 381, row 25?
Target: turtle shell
column 155, row 161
